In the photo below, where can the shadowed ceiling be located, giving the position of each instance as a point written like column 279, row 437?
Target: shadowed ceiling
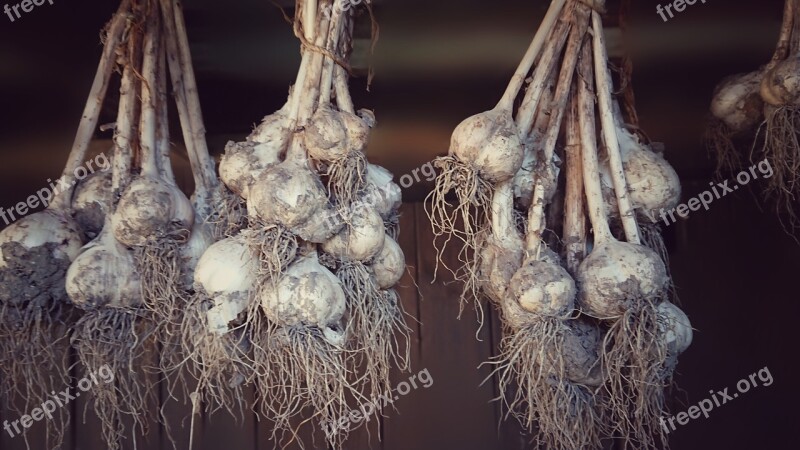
column 436, row 62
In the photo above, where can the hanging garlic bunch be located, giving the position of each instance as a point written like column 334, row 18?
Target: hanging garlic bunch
column 590, row 340
column 762, row 106
column 153, row 232
column 35, row 255
column 217, row 214
column 104, row 280
column 322, row 228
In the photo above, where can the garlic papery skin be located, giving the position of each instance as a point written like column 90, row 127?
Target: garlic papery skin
column 652, row 182
column 361, row 239
column 42, row 228
column 151, row 209
column 307, row 294
column 381, row 192
column 287, row 194
column 104, row 275
column 737, row 101
column 616, row 276
column 332, row 135
column 228, row 273
column 199, row 242
column 544, row 289
column 92, row 201
column 676, row 327
column 490, row 141
column 389, row 264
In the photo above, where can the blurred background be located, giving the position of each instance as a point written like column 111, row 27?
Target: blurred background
column 437, row 62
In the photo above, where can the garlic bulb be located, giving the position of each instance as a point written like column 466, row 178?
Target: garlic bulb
column 104, row 275
column 675, row 326
column 243, row 162
column 583, row 343
column 35, row 253
column 781, row 84
column 617, row 274
column 43, row 228
column 226, row 273
column 287, row 194
column 92, row 201
column 307, row 294
column 490, row 142
column 543, row 289
column 652, row 182
column 390, row 264
column 321, row 226
column 737, row 102
column 201, row 239
column 361, row 239
column 151, row 208
column 333, row 134
column 499, row 262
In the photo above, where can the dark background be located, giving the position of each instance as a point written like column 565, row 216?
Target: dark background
column 436, row 63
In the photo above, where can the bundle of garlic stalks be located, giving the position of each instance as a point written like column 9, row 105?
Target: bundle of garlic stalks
column 35, row 254
column 133, row 279
column 590, row 339
column 761, row 109
column 316, row 299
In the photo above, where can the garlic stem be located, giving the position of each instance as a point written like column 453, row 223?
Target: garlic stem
column 542, row 116
column 123, row 133
column 341, row 77
column 91, row 112
column 343, row 98
column 574, row 213
column 541, row 74
column 199, row 151
column 558, row 107
column 533, row 52
column 328, row 68
column 179, row 92
column 503, row 225
column 609, row 129
column 147, row 128
column 310, row 19
column 785, row 41
column 588, row 147
column 305, row 66
column 311, row 87
column 162, row 118
column 296, row 95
